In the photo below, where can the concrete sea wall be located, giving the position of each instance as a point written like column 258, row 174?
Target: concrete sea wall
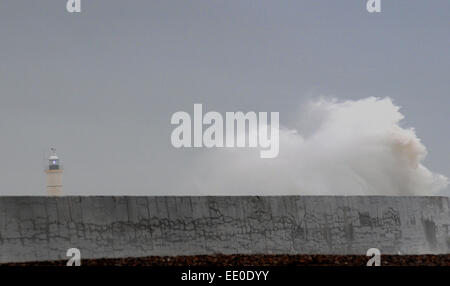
column 43, row 228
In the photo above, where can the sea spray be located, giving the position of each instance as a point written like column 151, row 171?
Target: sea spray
column 351, row 148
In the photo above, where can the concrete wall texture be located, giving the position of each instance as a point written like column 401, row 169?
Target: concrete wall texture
column 43, row 228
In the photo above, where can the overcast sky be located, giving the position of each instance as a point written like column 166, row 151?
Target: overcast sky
column 101, row 86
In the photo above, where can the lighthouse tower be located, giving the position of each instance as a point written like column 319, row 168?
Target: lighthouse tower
column 54, row 171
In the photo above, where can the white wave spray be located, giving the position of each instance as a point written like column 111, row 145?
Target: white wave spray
column 340, row 148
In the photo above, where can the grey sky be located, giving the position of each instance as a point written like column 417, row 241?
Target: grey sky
column 101, row 86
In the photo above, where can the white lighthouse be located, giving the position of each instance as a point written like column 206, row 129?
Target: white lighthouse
column 54, row 171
